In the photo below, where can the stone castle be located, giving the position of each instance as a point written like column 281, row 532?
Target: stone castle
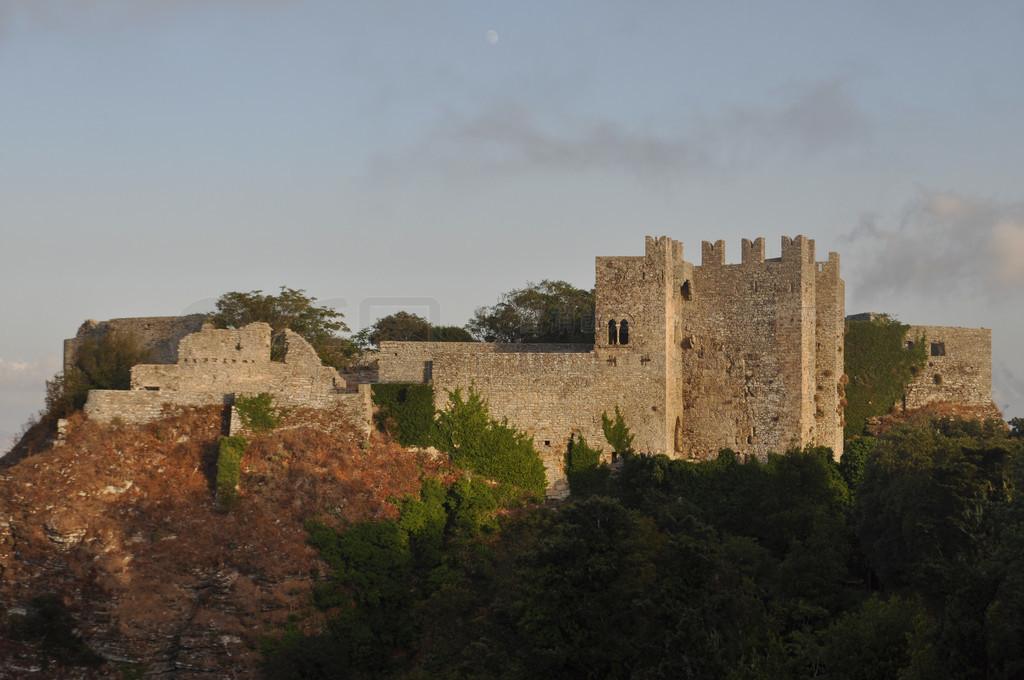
column 698, row 358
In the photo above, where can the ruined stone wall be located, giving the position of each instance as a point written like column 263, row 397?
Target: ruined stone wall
column 160, row 334
column 214, row 365
column 959, row 368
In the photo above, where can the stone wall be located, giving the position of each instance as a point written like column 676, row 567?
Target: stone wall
column 959, row 368
column 214, row 365
column 160, row 334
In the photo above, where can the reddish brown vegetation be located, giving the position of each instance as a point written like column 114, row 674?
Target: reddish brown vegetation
column 121, row 525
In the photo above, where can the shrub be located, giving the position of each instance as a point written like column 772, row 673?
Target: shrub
column 584, row 470
column 493, row 449
column 258, row 412
column 406, row 411
column 229, row 466
column 617, row 432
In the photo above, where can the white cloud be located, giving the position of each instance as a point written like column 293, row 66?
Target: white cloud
column 943, row 242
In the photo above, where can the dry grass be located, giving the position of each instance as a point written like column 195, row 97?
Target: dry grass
column 150, row 568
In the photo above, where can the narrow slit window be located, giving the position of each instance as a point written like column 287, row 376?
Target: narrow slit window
column 623, row 332
column 613, row 334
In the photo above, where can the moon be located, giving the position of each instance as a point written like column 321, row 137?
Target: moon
column 492, row 36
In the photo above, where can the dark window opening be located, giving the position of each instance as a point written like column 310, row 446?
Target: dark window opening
column 685, row 290
column 547, row 442
column 623, row 332
column 938, row 349
column 613, row 335
column 910, row 344
column 428, row 371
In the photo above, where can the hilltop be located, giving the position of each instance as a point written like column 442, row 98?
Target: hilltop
column 116, row 533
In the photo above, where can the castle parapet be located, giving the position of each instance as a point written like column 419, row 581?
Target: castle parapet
column 671, row 248
column 753, row 251
column 712, row 254
column 798, row 249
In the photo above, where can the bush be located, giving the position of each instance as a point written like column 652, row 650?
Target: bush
column 583, row 468
column 100, row 364
column 406, row 411
column 493, row 449
column 617, row 432
column 258, row 412
column 229, row 466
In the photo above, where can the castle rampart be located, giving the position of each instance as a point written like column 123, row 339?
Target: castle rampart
column 698, row 358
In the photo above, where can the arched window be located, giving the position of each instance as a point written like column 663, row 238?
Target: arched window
column 623, row 332
column 613, row 335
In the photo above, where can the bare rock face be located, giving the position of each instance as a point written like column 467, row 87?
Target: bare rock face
column 114, row 561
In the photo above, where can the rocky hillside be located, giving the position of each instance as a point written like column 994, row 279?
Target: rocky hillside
column 114, row 561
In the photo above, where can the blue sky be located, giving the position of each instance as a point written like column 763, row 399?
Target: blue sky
column 154, row 155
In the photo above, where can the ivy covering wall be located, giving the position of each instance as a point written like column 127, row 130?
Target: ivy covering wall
column 879, row 367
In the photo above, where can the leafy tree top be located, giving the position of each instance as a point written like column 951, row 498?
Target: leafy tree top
column 291, row 309
column 406, row 326
column 551, row 311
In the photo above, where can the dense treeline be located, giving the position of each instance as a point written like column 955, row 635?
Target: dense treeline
column 905, row 560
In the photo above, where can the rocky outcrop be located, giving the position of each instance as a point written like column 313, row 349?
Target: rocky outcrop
column 118, row 528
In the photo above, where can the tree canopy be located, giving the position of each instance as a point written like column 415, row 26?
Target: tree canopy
column 409, row 327
column 551, row 311
column 291, row 309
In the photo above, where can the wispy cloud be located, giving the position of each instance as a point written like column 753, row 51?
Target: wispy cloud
column 507, row 136
column 942, row 242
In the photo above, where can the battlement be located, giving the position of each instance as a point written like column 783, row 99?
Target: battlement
column 752, row 251
column 712, row 254
column 671, row 249
column 798, row 249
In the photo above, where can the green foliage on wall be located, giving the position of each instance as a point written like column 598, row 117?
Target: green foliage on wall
column 879, row 368
column 475, row 441
column 406, row 411
column 258, row 412
column 586, row 473
column 229, row 467
column 617, row 432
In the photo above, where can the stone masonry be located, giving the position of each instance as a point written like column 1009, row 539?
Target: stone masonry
column 214, row 365
column 959, row 368
column 159, row 334
column 697, row 357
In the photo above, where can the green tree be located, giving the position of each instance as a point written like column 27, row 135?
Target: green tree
column 617, row 432
column 586, row 473
column 492, row 448
column 294, row 310
column 551, row 311
column 409, row 327
column 102, row 363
